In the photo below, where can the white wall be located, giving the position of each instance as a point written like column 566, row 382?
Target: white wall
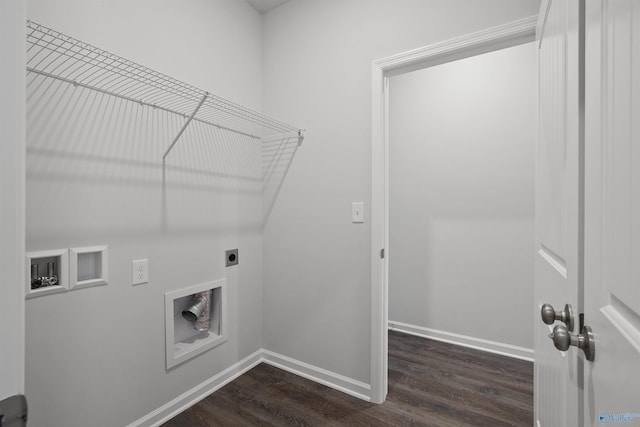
column 12, row 118
column 317, row 67
column 462, row 142
column 95, row 356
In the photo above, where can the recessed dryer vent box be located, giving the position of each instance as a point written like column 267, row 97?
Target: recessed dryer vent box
column 182, row 340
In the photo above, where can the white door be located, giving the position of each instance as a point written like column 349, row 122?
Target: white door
column 612, row 214
column 558, row 240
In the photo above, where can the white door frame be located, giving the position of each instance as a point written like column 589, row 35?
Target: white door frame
column 12, row 196
column 495, row 38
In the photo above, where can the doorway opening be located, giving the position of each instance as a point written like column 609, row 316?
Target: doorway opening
column 493, row 39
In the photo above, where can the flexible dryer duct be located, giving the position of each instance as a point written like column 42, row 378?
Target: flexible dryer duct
column 199, row 311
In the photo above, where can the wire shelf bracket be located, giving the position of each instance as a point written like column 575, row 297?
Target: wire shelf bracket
column 52, row 54
column 166, row 153
column 299, row 135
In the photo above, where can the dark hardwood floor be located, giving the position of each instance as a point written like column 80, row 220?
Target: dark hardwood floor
column 430, row 384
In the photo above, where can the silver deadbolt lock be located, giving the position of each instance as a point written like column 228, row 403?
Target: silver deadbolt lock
column 550, row 315
column 563, row 339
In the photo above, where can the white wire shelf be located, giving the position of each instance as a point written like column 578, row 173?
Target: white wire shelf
column 52, row 54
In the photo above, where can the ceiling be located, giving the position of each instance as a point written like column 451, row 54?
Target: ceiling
column 264, row 6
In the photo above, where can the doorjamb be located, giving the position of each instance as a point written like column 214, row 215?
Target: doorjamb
column 494, row 38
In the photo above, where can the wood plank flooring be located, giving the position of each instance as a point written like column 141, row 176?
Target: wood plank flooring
column 430, row 384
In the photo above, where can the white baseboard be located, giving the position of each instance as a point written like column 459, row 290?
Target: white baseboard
column 204, row 389
column 514, row 351
column 331, row 379
column 199, row 392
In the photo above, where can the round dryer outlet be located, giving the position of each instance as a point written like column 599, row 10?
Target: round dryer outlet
column 231, row 257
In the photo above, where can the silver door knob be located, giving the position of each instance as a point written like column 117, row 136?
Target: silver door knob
column 550, row 315
column 563, row 339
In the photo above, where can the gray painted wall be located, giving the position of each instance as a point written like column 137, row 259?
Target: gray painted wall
column 95, row 356
column 12, row 135
column 317, row 72
column 462, row 146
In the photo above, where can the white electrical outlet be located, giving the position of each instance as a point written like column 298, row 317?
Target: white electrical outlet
column 140, row 271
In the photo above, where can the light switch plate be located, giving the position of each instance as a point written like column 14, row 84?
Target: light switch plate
column 140, row 273
column 357, row 212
